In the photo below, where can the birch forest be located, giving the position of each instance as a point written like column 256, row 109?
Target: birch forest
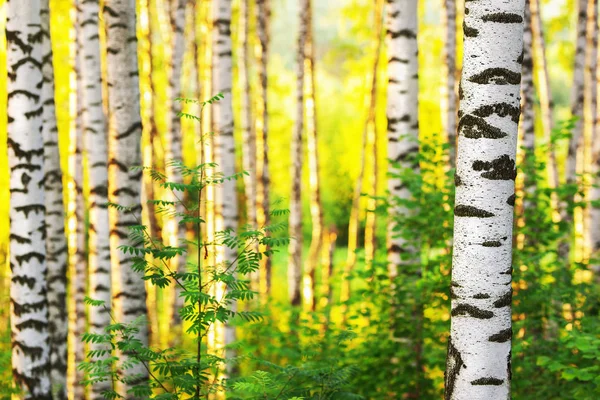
column 299, row 199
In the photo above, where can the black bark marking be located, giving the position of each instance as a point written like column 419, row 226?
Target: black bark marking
column 503, row 18
column 501, row 169
column 454, row 365
column 31, row 208
column 502, row 336
column 487, row 382
column 28, row 256
column 19, row 239
column 405, row 33
column 481, row 296
column 470, row 32
column 500, row 109
column 504, row 301
column 492, row 243
column 20, row 309
column 470, row 211
column 472, row 311
column 496, row 76
column 511, row 200
column 474, row 127
column 457, row 180
column 24, row 280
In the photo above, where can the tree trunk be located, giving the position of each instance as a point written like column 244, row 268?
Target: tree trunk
column 125, row 129
column 316, row 207
column 248, row 132
column 76, row 234
column 56, row 241
column 173, row 230
column 479, row 348
column 297, row 156
column 373, row 144
column 545, row 94
column 96, row 147
column 577, row 94
column 29, row 305
column 526, row 184
column 223, row 123
column 403, row 146
column 595, row 173
column 589, row 119
column 402, row 108
column 367, row 136
column 449, row 89
column 263, row 11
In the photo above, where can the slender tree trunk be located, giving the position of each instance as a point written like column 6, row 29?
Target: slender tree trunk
column 263, row 11
column 56, row 241
column 316, row 207
column 96, row 147
column 479, row 348
column 577, row 94
column 589, row 119
column 526, row 185
column 226, row 195
column 327, row 272
column 29, row 305
column 175, row 232
column 449, row 100
column 297, row 155
column 402, row 108
column 77, row 231
column 354, row 222
column 545, row 94
column 248, row 132
column 373, row 144
column 595, row 174
column 125, row 129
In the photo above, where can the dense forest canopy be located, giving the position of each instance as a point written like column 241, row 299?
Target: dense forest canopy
column 299, row 199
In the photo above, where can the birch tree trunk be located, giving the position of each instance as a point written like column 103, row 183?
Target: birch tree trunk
column 479, row 348
column 76, row 234
column 96, row 147
column 263, row 12
column 128, row 289
column 354, row 221
column 316, row 207
column 224, row 150
column 373, row 144
column 402, row 107
column 595, row 173
column 544, row 91
column 29, row 305
column 248, row 132
column 297, row 156
column 526, row 185
column 56, row 241
column 449, row 99
column 577, row 94
column 175, row 232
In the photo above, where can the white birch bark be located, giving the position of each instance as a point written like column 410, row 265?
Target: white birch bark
column 595, row 172
column 29, row 305
column 56, row 241
column 124, row 135
column 312, row 144
column 96, row 147
column 577, row 93
column 479, row 349
column 527, row 121
column 295, row 246
column 402, row 107
column 175, row 232
column 225, row 195
column 449, row 66
column 263, row 13
column 248, row 132
column 76, row 228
